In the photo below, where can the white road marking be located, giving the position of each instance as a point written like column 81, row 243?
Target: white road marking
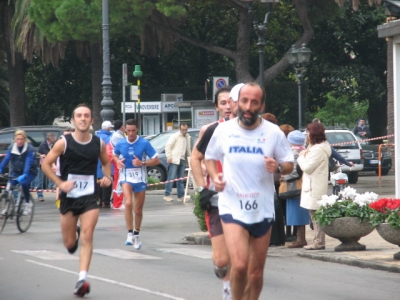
column 123, row 254
column 129, row 286
column 47, row 255
column 187, row 251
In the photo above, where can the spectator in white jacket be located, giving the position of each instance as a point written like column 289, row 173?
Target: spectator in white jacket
column 177, row 151
column 314, row 163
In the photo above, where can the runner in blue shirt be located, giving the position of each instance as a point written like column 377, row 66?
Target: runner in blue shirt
column 130, row 155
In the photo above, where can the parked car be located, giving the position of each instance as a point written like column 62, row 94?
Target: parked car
column 371, row 157
column 345, row 143
column 160, row 172
column 36, row 135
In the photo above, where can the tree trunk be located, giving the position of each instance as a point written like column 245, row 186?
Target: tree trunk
column 390, row 98
column 15, row 70
column 97, row 75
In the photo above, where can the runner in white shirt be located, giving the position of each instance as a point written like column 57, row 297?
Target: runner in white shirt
column 250, row 150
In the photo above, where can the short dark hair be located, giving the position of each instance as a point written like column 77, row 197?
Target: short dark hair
column 82, row 105
column 118, row 124
column 224, row 89
column 131, row 122
column 183, row 124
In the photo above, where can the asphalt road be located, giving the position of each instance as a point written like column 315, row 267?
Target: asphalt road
column 35, row 265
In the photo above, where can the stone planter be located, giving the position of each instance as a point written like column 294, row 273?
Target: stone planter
column 348, row 230
column 390, row 235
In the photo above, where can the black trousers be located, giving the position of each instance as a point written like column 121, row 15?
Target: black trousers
column 278, row 228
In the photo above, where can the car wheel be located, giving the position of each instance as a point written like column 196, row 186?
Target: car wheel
column 353, row 177
column 383, row 172
column 157, row 173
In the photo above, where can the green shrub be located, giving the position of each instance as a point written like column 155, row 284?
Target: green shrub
column 151, row 180
column 198, row 212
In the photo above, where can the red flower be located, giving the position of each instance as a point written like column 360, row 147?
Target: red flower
column 383, row 205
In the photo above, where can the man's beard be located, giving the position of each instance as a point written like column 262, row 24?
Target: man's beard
column 247, row 121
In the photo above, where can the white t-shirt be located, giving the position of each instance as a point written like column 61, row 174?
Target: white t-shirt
column 249, row 192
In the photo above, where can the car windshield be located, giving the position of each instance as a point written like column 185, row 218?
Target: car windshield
column 159, row 141
column 338, row 139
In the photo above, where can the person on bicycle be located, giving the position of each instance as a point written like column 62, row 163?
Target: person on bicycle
column 23, row 166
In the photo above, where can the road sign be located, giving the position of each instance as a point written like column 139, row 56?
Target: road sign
column 218, row 83
column 134, row 92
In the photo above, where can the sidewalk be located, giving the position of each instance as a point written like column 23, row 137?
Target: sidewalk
column 378, row 255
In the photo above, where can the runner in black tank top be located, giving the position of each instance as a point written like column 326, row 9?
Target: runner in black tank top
column 79, row 153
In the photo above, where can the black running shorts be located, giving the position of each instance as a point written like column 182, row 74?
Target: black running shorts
column 80, row 205
column 213, row 222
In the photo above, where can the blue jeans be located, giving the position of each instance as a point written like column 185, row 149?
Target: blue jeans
column 38, row 183
column 175, row 171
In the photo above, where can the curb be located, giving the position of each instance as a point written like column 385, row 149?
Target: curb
column 342, row 259
column 200, row 238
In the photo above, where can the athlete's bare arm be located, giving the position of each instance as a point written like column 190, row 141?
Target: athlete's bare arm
column 216, row 177
column 195, row 164
column 271, row 165
column 105, row 166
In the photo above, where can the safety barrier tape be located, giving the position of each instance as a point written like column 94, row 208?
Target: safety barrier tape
column 35, row 190
column 366, row 140
column 151, row 184
column 168, row 181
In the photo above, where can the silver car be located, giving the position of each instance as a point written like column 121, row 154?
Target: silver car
column 160, row 172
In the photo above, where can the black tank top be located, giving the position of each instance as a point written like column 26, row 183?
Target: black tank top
column 80, row 158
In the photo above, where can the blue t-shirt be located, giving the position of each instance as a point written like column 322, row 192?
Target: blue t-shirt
column 139, row 148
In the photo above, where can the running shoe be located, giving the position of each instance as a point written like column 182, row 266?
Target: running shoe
column 82, row 288
column 78, row 232
column 129, row 239
column 137, row 244
column 226, row 294
column 27, row 208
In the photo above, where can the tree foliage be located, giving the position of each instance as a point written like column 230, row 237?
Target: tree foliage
column 80, row 20
column 341, row 111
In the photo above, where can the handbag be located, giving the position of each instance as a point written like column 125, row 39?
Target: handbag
column 290, row 189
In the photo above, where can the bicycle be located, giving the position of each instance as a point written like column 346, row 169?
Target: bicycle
column 339, row 181
column 8, row 207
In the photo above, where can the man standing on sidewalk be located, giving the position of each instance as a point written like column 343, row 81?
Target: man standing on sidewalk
column 177, row 151
column 133, row 176
column 79, row 153
column 251, row 150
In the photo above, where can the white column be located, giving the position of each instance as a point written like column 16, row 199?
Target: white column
column 396, row 80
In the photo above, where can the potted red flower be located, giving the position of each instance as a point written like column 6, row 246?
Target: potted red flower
column 386, row 218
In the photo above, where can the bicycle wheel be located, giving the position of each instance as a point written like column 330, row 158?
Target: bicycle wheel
column 4, row 210
column 25, row 214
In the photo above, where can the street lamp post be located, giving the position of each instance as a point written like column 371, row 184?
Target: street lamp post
column 138, row 74
column 299, row 59
column 107, row 112
column 261, row 31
